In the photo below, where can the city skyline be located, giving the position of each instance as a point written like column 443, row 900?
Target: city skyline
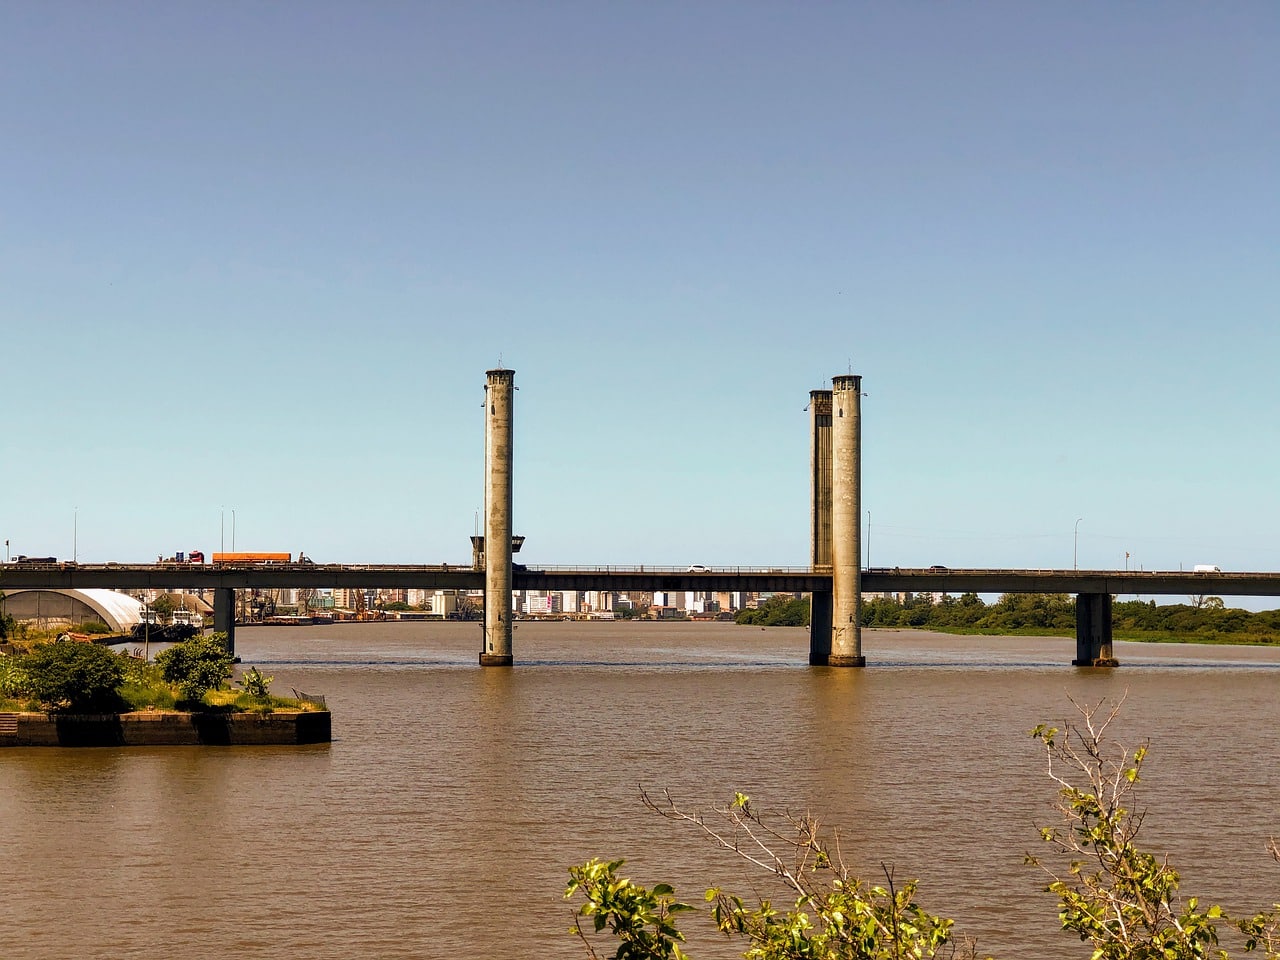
column 259, row 260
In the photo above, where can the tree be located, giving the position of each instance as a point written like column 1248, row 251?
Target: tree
column 8, row 625
column 197, row 665
column 74, row 677
column 833, row 915
column 780, row 610
column 163, row 607
column 1124, row 901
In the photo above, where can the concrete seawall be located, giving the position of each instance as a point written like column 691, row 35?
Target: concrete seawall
column 154, row 728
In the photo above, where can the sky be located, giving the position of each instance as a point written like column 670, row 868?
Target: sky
column 255, row 260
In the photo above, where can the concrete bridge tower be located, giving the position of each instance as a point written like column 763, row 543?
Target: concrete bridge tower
column 846, row 513
column 820, row 522
column 498, row 401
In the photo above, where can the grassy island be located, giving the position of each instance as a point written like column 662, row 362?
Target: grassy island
column 82, row 694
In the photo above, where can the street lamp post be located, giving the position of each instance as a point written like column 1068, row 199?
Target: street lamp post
column 75, row 535
column 1075, row 545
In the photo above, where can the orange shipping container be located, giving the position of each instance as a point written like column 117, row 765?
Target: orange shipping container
column 252, row 557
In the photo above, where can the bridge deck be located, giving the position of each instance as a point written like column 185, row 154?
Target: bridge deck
column 14, row 576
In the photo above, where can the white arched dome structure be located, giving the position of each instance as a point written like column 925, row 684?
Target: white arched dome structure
column 55, row 608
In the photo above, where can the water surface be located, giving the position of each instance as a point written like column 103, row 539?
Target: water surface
column 441, row 820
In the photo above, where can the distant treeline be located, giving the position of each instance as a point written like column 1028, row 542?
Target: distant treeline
column 780, row 610
column 1016, row 613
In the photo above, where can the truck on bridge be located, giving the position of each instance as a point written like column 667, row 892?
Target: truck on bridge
column 230, row 559
column 190, row 556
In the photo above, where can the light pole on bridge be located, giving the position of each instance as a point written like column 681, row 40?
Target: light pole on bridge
column 1075, row 545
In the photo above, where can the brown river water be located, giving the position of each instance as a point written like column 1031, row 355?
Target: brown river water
column 441, row 820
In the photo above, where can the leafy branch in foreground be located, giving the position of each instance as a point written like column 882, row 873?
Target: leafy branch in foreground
column 1122, row 900
column 829, row 913
column 1263, row 929
column 628, row 910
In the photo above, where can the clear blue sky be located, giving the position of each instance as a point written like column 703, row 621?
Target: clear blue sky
column 257, row 257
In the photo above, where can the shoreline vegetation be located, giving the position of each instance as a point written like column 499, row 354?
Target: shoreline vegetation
column 1204, row 620
column 69, row 676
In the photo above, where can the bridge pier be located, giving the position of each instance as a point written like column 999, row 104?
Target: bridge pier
column 224, row 615
column 1093, row 631
column 499, row 393
column 846, row 522
column 820, row 522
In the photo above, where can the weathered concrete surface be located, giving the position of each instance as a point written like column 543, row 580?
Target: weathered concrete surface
column 224, row 615
column 820, row 522
column 1094, row 647
column 846, row 522
column 499, row 394
column 153, row 728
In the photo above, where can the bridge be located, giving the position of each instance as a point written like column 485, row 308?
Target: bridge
column 444, row 576
column 224, row 580
column 834, row 577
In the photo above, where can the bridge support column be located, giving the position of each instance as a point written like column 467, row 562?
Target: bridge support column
column 820, row 522
column 1093, row 631
column 846, row 517
column 820, row 628
column 499, row 392
column 224, row 615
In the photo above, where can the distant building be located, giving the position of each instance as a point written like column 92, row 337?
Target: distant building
column 443, row 603
column 51, row 609
column 540, row 603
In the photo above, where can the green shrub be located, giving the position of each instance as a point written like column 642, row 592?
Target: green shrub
column 780, row 610
column 13, row 679
column 255, row 684
column 147, row 698
column 197, row 665
column 142, row 672
column 74, row 677
column 92, row 627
